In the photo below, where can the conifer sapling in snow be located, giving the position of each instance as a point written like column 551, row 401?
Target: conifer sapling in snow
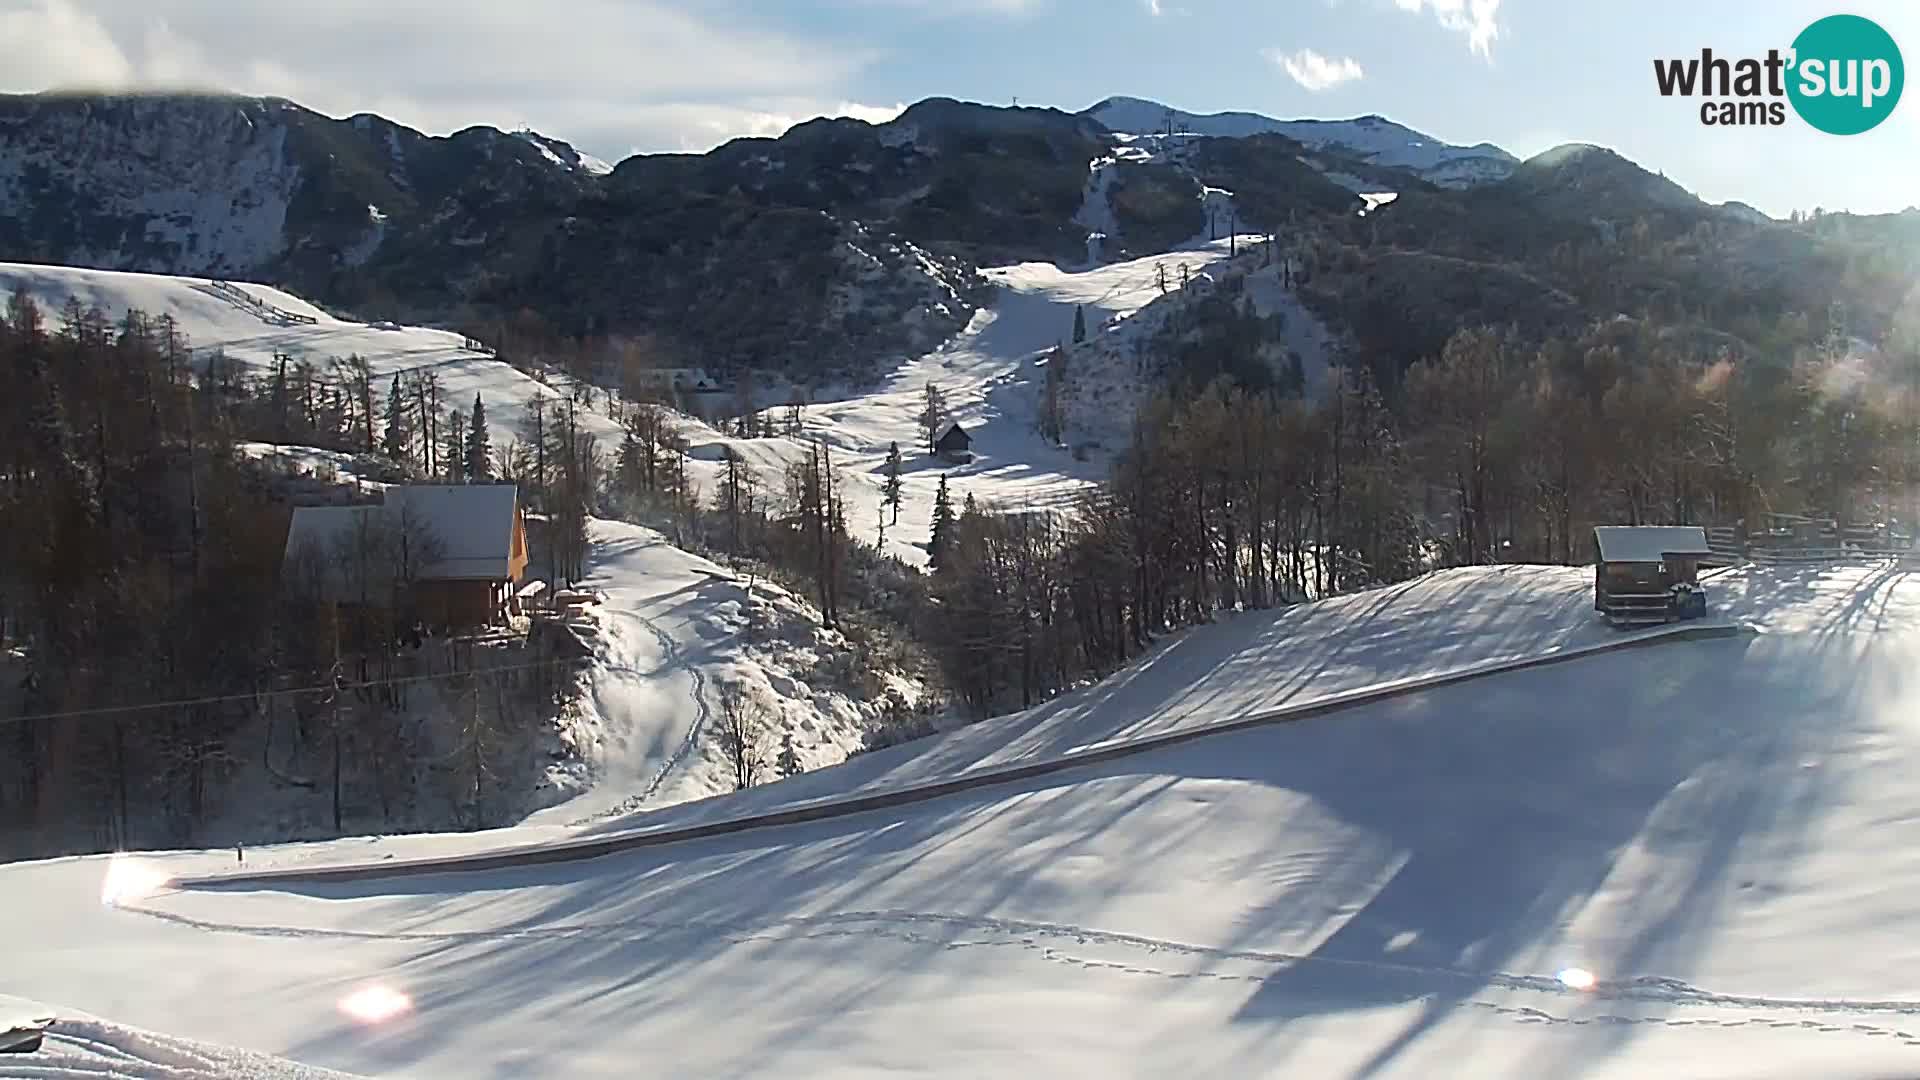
column 891, row 490
column 942, row 527
column 1079, row 324
column 397, row 440
column 479, row 451
column 788, row 763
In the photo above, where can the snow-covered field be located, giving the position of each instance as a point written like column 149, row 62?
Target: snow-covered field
column 1720, row 834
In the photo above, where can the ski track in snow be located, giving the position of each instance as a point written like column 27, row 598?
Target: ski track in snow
column 671, row 658
column 919, row 928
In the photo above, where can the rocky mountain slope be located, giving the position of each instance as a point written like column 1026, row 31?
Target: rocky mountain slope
column 371, row 216
column 841, row 246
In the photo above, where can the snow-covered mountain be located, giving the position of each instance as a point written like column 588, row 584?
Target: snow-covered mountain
column 1372, row 140
column 366, row 215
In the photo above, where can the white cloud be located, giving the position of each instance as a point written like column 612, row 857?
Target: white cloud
column 612, row 75
column 1317, row 72
column 1477, row 19
column 54, row 41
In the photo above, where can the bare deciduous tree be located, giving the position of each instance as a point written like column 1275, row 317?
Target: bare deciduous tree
column 744, row 734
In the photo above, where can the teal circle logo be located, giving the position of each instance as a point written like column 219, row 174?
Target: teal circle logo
column 1847, row 75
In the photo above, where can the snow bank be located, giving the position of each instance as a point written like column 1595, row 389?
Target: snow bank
column 83, row 1047
column 1719, row 833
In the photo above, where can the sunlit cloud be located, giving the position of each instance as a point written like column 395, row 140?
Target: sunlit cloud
column 1314, row 71
column 1477, row 19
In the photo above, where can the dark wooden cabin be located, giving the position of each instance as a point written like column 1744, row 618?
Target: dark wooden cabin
column 955, row 446
column 450, row 556
column 1637, row 567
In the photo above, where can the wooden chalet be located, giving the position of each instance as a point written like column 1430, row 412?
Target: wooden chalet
column 451, row 557
column 955, row 446
column 1649, row 573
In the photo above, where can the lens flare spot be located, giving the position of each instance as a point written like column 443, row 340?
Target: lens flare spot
column 129, row 881
column 1576, row 978
column 375, row 1004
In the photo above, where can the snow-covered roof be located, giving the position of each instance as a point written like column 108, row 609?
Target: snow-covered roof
column 1649, row 543
column 471, row 523
column 465, row 531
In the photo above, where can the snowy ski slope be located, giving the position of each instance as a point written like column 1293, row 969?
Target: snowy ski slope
column 1695, row 859
column 989, row 374
column 210, row 319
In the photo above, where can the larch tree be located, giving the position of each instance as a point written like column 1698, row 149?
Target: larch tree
column 456, row 449
column 933, row 415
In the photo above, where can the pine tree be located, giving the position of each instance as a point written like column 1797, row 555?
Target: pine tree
column 1079, row 324
column 892, row 489
column 479, row 451
column 533, row 431
column 942, row 537
column 397, row 440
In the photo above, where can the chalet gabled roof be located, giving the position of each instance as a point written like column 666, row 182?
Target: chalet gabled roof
column 1649, row 543
column 954, row 434
column 451, row 532
column 472, row 525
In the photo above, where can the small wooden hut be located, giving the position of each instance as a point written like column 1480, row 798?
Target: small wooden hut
column 1649, row 573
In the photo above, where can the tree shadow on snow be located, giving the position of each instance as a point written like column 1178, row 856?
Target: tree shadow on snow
column 1478, row 820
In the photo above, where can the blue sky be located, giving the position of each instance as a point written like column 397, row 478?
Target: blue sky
column 618, row 76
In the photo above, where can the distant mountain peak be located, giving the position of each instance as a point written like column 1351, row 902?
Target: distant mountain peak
column 1371, row 139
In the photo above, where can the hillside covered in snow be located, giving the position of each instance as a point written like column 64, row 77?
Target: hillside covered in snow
column 1675, row 853
column 1372, row 140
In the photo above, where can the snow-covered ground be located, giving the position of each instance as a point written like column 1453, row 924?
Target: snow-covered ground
column 675, row 631
column 989, row 373
column 82, row 1046
column 992, row 378
column 1693, row 859
column 673, row 627
column 253, row 335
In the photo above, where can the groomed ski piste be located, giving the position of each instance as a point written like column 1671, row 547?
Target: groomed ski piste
column 1690, row 858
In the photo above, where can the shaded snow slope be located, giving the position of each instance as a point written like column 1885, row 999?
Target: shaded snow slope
column 1720, row 832
column 1109, row 376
